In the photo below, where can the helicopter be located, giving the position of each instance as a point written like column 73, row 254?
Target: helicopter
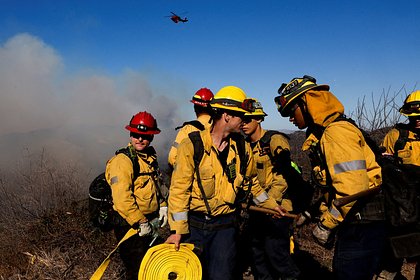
column 175, row 18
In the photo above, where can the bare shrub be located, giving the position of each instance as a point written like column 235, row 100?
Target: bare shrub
column 40, row 186
column 380, row 114
column 44, row 227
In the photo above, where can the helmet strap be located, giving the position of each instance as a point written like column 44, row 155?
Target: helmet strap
column 303, row 108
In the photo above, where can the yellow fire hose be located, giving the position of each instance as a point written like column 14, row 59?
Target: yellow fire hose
column 97, row 275
column 162, row 262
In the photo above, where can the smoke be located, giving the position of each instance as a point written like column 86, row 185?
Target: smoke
column 77, row 118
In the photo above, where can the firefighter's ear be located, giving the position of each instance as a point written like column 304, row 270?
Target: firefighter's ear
column 226, row 117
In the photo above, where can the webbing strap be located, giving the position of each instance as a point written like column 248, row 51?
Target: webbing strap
column 401, row 141
column 198, row 155
column 97, row 275
column 197, row 124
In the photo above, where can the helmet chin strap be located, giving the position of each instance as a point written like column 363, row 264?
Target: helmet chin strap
column 306, row 116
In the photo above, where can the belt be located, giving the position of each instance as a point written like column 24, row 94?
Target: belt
column 210, row 222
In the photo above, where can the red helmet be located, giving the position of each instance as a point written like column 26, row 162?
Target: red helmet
column 143, row 123
column 202, row 97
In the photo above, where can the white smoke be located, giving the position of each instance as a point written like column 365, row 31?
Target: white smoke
column 76, row 118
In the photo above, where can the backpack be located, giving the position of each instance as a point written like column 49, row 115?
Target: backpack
column 199, row 153
column 101, row 212
column 400, row 183
column 299, row 191
column 403, row 184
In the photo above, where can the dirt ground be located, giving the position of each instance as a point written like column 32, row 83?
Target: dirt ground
column 314, row 260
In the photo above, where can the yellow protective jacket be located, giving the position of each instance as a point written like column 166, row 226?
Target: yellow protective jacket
column 182, row 134
column 411, row 152
column 272, row 182
column 347, row 157
column 185, row 195
column 133, row 202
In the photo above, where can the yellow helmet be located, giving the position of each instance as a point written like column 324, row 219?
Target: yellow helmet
column 291, row 91
column 229, row 98
column 411, row 105
column 255, row 108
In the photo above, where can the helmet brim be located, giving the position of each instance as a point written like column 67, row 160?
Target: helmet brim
column 228, row 108
column 200, row 103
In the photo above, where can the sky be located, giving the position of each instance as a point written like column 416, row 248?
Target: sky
column 74, row 72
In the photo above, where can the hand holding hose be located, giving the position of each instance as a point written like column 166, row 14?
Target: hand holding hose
column 174, row 239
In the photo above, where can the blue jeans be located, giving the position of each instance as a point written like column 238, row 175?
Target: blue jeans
column 270, row 242
column 358, row 250
column 215, row 239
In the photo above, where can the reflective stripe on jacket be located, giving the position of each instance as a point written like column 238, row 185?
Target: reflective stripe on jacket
column 350, row 163
column 182, row 134
column 411, row 152
column 132, row 203
column 185, row 195
column 272, row 182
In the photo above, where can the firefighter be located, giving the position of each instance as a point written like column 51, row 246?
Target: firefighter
column 203, row 194
column 270, row 238
column 403, row 141
column 342, row 165
column 138, row 202
column 201, row 100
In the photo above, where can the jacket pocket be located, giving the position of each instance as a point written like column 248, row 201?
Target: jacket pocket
column 208, row 181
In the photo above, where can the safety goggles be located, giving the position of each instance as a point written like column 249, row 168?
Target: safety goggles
column 148, row 137
column 280, row 102
column 251, row 105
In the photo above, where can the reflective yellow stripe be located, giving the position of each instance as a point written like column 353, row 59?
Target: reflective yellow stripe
column 349, row 166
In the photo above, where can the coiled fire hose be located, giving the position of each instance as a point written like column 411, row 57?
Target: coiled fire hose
column 163, row 262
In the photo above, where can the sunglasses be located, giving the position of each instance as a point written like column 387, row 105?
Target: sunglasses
column 247, row 119
column 148, row 137
column 412, row 108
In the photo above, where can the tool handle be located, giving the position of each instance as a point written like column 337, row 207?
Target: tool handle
column 350, row 198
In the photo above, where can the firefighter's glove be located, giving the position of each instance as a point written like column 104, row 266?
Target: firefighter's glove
column 163, row 216
column 321, row 234
column 302, row 219
column 145, row 229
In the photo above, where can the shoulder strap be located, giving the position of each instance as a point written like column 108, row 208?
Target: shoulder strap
column 369, row 141
column 197, row 124
column 243, row 156
column 131, row 154
column 198, row 155
column 266, row 139
column 402, row 138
